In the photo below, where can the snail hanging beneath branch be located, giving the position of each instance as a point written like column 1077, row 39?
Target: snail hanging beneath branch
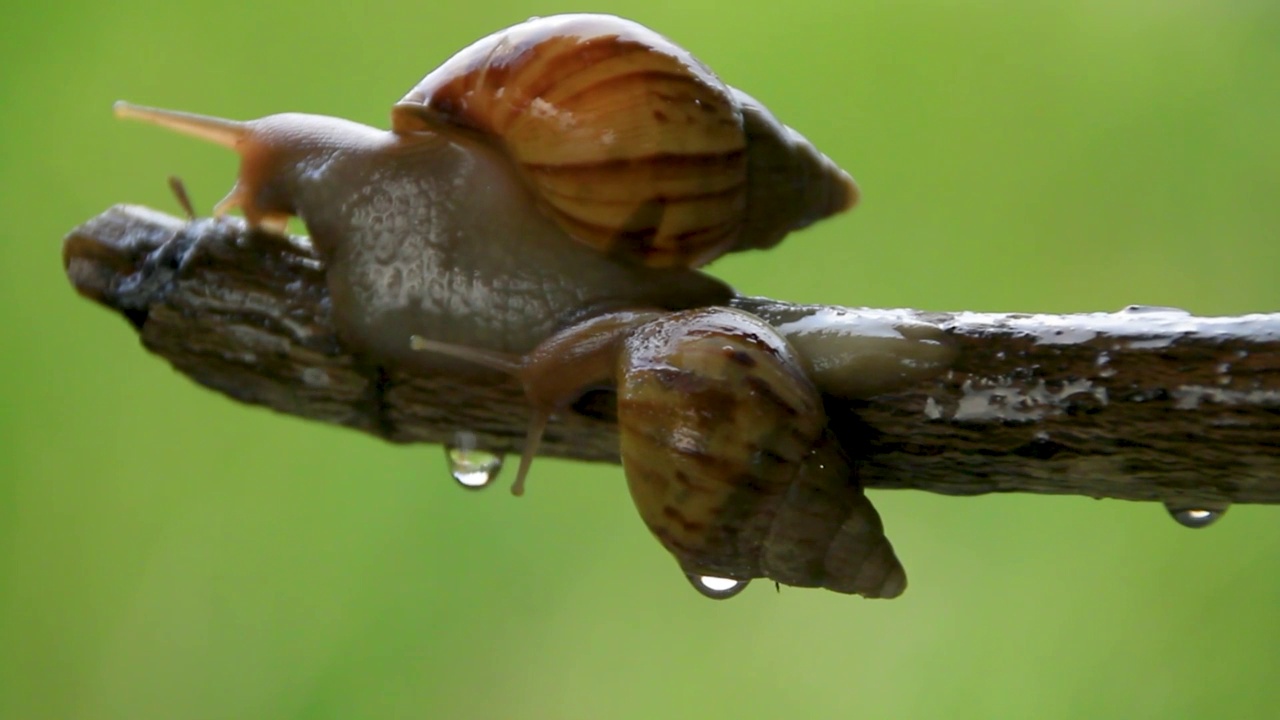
column 724, row 439
column 563, row 167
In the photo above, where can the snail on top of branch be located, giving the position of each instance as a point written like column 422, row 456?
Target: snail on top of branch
column 563, row 166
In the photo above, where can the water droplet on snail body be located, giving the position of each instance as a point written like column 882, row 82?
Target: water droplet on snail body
column 717, row 588
column 470, row 466
column 1195, row 516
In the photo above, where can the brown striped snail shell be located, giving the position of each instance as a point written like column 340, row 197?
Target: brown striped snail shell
column 724, row 442
column 631, row 143
column 731, row 464
column 563, row 166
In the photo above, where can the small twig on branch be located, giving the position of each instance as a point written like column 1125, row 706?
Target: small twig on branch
column 1144, row 404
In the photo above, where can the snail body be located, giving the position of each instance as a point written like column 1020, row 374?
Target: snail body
column 568, row 165
column 725, row 445
column 857, row 354
column 461, row 252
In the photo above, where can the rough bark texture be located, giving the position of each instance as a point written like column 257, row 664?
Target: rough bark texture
column 1143, row 404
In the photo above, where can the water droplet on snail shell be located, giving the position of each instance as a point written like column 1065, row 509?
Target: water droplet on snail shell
column 717, row 588
column 1195, row 516
column 470, row 466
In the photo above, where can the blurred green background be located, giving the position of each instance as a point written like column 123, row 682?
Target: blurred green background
column 167, row 553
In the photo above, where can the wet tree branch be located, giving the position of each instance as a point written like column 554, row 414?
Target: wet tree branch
column 1142, row 404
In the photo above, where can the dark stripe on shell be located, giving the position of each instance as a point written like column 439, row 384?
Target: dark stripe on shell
column 707, row 101
column 728, row 191
column 563, row 65
column 704, row 160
